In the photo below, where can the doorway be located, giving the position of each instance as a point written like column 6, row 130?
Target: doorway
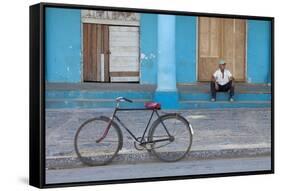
column 110, row 53
column 220, row 38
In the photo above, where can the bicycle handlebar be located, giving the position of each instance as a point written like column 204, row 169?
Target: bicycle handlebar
column 123, row 99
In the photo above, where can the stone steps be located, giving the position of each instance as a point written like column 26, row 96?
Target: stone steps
column 190, row 97
column 223, row 104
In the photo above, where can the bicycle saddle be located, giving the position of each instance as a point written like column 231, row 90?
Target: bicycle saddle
column 152, row 105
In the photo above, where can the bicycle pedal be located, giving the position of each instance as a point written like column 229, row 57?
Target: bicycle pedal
column 148, row 146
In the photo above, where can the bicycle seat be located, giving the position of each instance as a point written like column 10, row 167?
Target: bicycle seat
column 152, row 105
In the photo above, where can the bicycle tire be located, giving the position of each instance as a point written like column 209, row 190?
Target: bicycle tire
column 98, row 155
column 175, row 152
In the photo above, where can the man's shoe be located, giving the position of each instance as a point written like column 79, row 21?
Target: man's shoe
column 231, row 99
column 213, row 100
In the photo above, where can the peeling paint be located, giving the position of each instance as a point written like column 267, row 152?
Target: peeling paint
column 145, row 57
column 142, row 56
column 249, row 80
column 152, row 55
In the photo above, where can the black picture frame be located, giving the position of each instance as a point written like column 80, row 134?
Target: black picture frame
column 37, row 94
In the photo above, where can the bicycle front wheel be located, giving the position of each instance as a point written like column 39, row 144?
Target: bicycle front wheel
column 170, row 137
column 86, row 147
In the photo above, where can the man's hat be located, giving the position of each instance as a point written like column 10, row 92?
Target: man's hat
column 221, row 62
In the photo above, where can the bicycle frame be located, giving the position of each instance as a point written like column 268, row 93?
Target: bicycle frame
column 115, row 117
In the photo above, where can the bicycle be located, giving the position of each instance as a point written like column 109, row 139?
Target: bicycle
column 98, row 140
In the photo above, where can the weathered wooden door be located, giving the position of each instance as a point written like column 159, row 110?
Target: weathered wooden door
column 110, row 53
column 221, row 39
column 124, row 53
column 95, row 53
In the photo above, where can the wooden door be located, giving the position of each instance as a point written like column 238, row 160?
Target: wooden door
column 221, row 39
column 95, row 53
column 124, row 53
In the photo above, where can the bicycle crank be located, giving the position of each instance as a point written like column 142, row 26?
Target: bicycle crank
column 141, row 146
column 138, row 146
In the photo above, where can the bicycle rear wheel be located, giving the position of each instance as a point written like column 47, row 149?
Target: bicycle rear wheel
column 173, row 147
column 88, row 150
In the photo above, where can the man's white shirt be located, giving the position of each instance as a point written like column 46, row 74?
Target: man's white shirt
column 220, row 79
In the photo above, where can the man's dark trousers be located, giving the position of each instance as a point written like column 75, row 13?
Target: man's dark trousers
column 222, row 88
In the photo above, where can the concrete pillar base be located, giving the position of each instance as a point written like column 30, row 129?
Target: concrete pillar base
column 167, row 99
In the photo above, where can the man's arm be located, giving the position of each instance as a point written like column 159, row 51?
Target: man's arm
column 231, row 78
column 213, row 79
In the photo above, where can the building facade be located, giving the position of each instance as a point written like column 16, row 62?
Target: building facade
column 137, row 49
column 162, row 50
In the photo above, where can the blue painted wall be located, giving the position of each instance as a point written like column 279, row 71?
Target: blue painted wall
column 148, row 49
column 63, row 45
column 186, row 49
column 259, row 51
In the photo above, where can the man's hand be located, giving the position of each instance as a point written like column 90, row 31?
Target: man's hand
column 214, row 80
column 216, row 86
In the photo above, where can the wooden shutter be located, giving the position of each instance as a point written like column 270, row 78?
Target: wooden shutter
column 124, row 57
column 95, row 53
column 221, row 39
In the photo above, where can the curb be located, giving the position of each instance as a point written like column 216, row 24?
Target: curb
column 142, row 157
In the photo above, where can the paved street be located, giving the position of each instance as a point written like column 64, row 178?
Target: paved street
column 222, row 129
column 141, row 170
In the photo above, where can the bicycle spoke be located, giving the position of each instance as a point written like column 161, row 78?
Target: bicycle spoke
column 156, row 147
column 179, row 144
column 88, row 150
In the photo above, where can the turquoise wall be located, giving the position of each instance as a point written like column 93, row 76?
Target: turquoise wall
column 148, row 49
column 259, row 51
column 63, row 45
column 186, row 49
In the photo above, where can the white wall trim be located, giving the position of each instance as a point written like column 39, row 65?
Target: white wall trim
column 110, row 22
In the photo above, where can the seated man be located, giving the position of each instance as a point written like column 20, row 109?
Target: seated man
column 222, row 81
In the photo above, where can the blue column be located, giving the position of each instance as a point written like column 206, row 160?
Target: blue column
column 166, row 92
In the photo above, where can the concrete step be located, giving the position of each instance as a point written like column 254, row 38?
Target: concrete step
column 95, row 98
column 184, row 96
column 88, row 94
column 222, row 96
column 223, row 104
column 92, row 103
column 239, row 88
column 108, row 103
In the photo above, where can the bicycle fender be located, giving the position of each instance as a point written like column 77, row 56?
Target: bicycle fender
column 113, row 123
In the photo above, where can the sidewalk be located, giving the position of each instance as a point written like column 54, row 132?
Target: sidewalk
column 224, row 133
